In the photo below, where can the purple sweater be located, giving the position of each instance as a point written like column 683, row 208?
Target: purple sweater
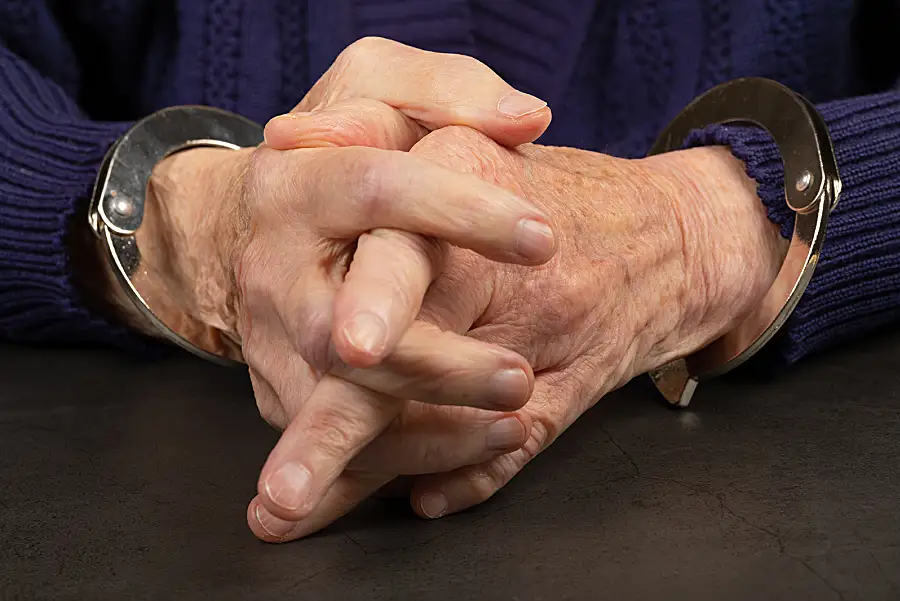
column 74, row 74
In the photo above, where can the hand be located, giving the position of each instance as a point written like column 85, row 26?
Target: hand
column 414, row 91
column 657, row 258
column 251, row 248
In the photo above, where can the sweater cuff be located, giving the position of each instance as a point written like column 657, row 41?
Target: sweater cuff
column 49, row 158
column 856, row 286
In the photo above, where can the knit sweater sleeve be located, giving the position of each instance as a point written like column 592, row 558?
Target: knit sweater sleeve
column 856, row 287
column 49, row 157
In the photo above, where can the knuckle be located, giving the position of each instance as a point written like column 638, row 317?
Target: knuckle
column 432, row 250
column 491, row 477
column 488, row 479
column 413, row 253
column 543, row 432
column 309, row 329
column 373, row 44
column 336, row 434
column 452, row 302
column 359, row 55
column 484, row 482
column 464, row 149
column 454, row 135
column 569, row 299
column 354, row 122
column 434, row 254
column 367, row 175
column 349, row 130
column 549, row 417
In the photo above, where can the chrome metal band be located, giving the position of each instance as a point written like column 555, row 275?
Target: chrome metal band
column 117, row 206
column 812, row 189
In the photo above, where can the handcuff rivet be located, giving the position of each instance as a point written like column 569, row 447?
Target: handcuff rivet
column 123, row 207
column 804, row 181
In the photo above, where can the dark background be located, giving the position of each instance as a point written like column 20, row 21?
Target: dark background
column 123, row 480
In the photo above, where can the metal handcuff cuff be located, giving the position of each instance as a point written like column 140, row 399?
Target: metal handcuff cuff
column 120, row 194
column 812, row 188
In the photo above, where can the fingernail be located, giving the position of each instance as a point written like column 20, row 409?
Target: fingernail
column 434, row 505
column 506, row 434
column 273, row 526
column 517, row 104
column 367, row 332
column 535, row 239
column 510, row 387
column 288, row 487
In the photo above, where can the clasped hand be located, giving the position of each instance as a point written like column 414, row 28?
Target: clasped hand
column 397, row 237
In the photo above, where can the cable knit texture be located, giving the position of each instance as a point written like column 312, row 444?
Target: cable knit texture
column 74, row 75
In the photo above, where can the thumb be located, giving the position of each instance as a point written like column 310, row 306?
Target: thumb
column 434, row 89
column 353, row 122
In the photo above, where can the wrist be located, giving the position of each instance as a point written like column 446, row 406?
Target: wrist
column 185, row 279
column 731, row 251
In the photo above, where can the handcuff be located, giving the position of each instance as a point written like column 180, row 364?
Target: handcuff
column 120, row 194
column 812, row 188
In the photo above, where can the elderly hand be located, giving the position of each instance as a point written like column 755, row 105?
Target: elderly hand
column 312, row 263
column 222, row 221
column 657, row 258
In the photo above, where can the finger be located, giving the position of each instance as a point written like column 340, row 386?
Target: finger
column 303, row 315
column 378, row 188
column 461, row 294
column 348, row 491
column 436, row 495
column 427, row 439
column 444, row 368
column 435, row 89
column 353, row 122
column 288, row 286
column 339, row 419
column 334, row 424
column 382, row 293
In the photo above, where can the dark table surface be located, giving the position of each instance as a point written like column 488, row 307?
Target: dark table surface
column 123, row 480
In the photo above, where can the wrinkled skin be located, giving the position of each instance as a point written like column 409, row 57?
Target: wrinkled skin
column 273, row 252
column 250, row 252
column 650, row 267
